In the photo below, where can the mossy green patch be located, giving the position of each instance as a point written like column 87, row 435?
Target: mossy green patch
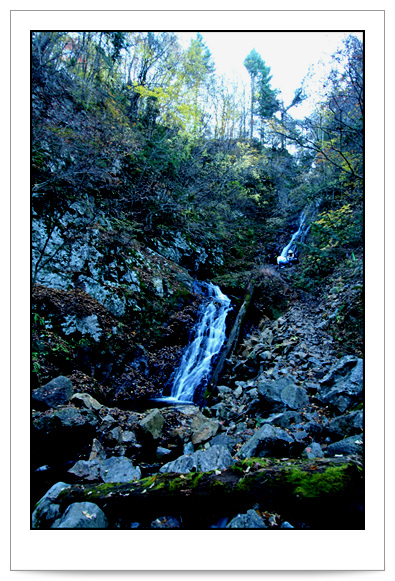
column 185, row 481
column 243, row 465
column 254, row 463
column 309, row 485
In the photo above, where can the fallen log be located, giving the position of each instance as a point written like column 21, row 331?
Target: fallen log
column 233, row 336
column 324, row 493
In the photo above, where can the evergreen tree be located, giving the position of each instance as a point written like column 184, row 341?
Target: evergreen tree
column 264, row 101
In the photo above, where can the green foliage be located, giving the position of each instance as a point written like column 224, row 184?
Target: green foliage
column 332, row 237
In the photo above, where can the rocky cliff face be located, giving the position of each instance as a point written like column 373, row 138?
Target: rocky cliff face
column 109, row 306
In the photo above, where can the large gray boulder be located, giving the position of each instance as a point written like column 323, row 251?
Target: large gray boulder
column 119, row 469
column 114, row 469
column 214, row 458
column 72, row 417
column 294, row 397
column 153, row 423
column 56, row 392
column 342, row 387
column 82, row 515
column 47, row 508
column 351, row 445
column 347, row 424
column 267, row 441
column 281, row 394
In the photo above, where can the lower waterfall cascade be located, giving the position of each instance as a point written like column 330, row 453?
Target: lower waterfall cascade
column 209, row 337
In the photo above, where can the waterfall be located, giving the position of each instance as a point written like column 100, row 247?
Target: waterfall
column 301, row 232
column 296, row 235
column 209, row 337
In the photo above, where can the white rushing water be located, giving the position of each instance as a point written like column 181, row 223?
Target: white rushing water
column 209, row 337
column 301, row 231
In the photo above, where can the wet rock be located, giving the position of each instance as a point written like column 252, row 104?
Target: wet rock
column 270, row 392
column 249, row 520
column 119, row 469
column 282, row 393
column 114, row 469
column 313, row 429
column 228, row 442
column 153, row 423
column 286, row 525
column 113, row 437
column 214, row 458
column 162, row 452
column 56, row 392
column 72, row 417
column 222, row 410
column 205, row 432
column 343, row 385
column 294, row 397
column 86, row 400
column 189, row 448
column 347, row 425
column 350, row 445
column 88, row 470
column 223, row 390
column 82, row 515
column 267, row 441
column 47, row 508
column 314, row 450
column 166, row 522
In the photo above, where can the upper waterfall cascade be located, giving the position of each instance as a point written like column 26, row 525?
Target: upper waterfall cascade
column 287, row 252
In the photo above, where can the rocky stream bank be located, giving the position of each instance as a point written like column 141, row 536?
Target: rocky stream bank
column 278, row 443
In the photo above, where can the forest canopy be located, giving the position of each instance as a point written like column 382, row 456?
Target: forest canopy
column 147, row 128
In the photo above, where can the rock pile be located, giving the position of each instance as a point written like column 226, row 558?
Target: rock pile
column 290, row 408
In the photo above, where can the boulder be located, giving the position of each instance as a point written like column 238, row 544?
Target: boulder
column 343, row 385
column 269, row 392
column 249, row 520
column 88, row 470
column 347, row 425
column 56, row 392
column 228, row 442
column 350, row 445
column 294, row 397
column 214, row 458
column 119, row 469
column 282, row 393
column 72, row 417
column 314, row 450
column 205, row 432
column 114, row 469
column 47, row 508
column 82, row 515
column 153, row 423
column 97, row 451
column 267, row 441
column 86, row 400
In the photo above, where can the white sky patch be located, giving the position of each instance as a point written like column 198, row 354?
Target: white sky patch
column 288, row 54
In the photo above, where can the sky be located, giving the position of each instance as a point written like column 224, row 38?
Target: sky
column 288, row 54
